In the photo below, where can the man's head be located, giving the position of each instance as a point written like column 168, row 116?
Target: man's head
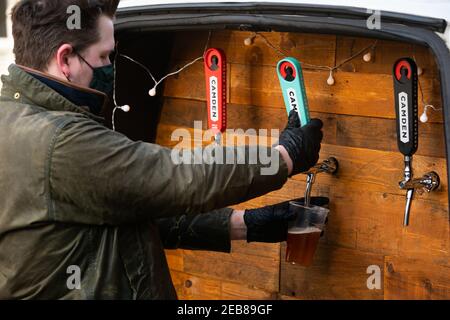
column 44, row 41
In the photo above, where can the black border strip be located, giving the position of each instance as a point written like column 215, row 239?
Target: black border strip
column 308, row 24
column 434, row 24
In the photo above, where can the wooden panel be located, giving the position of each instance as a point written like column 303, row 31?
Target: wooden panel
column 367, row 205
column 380, row 170
column 352, row 131
column 336, row 273
column 314, row 49
column 309, row 48
column 376, row 170
column 372, row 221
column 192, row 287
column 416, row 279
column 267, row 250
column 384, row 56
column 366, row 211
column 375, row 175
column 175, row 259
column 380, row 134
column 235, row 291
column 361, row 94
column 434, row 249
column 255, row 270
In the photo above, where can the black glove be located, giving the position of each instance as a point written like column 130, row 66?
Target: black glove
column 268, row 224
column 302, row 143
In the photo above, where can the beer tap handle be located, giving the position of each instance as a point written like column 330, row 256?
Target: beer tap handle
column 290, row 75
column 215, row 76
column 406, row 110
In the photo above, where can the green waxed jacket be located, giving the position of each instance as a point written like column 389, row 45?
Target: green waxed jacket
column 75, row 193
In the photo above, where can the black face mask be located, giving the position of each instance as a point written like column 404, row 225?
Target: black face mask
column 103, row 77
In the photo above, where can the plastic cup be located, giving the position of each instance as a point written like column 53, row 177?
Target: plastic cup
column 304, row 232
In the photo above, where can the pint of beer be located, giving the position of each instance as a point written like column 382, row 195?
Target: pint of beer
column 304, row 233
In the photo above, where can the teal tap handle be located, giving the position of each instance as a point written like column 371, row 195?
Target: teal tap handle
column 290, row 74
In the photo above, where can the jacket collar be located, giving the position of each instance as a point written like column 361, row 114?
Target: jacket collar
column 21, row 83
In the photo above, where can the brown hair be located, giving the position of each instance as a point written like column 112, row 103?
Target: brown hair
column 39, row 28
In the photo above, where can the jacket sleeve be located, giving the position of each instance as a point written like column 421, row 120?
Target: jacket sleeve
column 209, row 231
column 98, row 176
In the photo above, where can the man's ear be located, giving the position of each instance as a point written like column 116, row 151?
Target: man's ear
column 64, row 53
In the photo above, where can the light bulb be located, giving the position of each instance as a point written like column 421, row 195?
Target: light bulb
column 249, row 41
column 125, row 108
column 367, row 57
column 152, row 92
column 424, row 117
column 330, row 79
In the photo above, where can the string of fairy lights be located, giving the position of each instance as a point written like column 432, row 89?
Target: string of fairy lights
column 367, row 57
column 330, row 81
column 367, row 54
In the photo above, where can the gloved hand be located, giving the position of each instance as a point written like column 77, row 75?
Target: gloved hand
column 302, row 143
column 270, row 224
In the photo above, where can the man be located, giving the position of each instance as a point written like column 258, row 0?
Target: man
column 79, row 198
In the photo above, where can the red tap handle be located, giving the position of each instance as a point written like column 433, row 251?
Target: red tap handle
column 216, row 95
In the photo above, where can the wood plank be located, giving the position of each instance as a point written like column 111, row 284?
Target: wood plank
column 352, row 131
column 367, row 205
column 184, row 137
column 259, row 271
column 372, row 221
column 380, row 134
column 434, row 249
column 384, row 56
column 372, row 209
column 183, row 113
column 268, row 250
column 175, row 259
column 375, row 220
column 415, row 279
column 239, row 117
column 366, row 189
column 191, row 287
column 285, row 297
column 235, row 291
column 381, row 170
column 377, row 170
column 359, row 94
column 316, row 49
column 336, row 273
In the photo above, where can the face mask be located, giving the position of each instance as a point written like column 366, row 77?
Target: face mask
column 103, row 78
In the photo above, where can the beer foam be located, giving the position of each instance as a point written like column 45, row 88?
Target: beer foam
column 297, row 230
